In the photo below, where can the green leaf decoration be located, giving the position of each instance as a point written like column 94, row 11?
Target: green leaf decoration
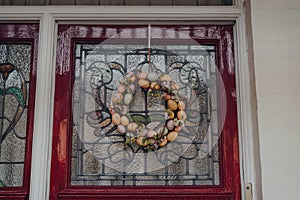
column 17, row 92
column 139, row 119
column 1, row 92
column 1, row 184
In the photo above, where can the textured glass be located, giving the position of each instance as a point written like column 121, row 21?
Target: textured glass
column 14, row 87
column 98, row 153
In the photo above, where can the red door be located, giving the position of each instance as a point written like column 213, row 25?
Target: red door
column 18, row 60
column 145, row 112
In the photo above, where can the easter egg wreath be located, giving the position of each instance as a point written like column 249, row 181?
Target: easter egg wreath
column 156, row 86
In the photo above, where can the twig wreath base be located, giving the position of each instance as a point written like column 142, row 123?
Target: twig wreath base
column 157, row 86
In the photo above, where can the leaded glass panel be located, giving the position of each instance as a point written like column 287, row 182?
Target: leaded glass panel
column 99, row 156
column 15, row 62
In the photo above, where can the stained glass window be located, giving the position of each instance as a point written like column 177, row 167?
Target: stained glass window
column 15, row 69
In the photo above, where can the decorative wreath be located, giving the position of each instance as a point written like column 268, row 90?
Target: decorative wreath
column 156, row 86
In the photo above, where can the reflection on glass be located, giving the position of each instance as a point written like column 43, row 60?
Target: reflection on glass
column 14, row 83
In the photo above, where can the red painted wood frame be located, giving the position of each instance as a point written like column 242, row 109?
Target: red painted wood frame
column 60, row 187
column 23, row 34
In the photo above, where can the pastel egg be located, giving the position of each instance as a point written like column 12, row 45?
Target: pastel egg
column 124, row 121
column 116, row 119
column 172, row 136
column 132, row 127
column 172, row 104
column 178, row 128
column 128, row 99
column 121, row 129
column 152, row 76
column 181, row 105
column 181, row 115
column 170, row 125
column 174, row 86
column 121, row 88
column 143, row 133
column 163, row 130
column 143, row 83
column 151, row 133
column 142, row 75
column 131, row 88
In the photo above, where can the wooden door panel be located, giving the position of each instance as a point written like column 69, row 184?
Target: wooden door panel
column 81, row 169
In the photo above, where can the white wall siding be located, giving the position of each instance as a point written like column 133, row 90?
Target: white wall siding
column 276, row 36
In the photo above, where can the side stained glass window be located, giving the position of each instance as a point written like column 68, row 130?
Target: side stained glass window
column 17, row 90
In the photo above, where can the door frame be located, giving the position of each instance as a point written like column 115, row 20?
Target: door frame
column 49, row 16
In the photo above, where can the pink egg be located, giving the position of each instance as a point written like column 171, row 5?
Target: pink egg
column 121, row 129
column 142, row 75
column 151, row 133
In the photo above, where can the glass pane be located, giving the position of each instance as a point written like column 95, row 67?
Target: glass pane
column 102, row 155
column 15, row 62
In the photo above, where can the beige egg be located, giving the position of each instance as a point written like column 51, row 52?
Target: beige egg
column 165, row 77
column 163, row 142
column 116, row 119
column 121, row 129
column 142, row 75
column 172, row 136
column 132, row 78
column 132, row 127
column 181, row 105
column 117, row 98
column 154, row 86
column 172, row 104
column 174, row 86
column 143, row 83
column 181, row 115
column 139, row 141
column 124, row 121
column 121, row 88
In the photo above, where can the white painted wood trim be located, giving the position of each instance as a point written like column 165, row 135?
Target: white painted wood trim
column 42, row 135
column 49, row 15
